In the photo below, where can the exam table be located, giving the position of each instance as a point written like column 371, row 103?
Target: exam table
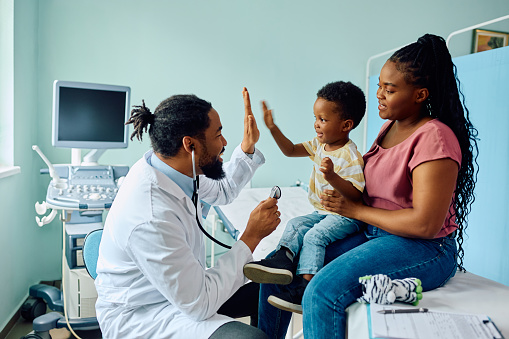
column 464, row 293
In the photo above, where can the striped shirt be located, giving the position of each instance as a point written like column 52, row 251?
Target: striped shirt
column 348, row 164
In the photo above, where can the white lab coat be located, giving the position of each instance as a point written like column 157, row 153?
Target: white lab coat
column 152, row 279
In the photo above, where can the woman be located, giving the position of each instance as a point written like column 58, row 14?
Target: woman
column 420, row 177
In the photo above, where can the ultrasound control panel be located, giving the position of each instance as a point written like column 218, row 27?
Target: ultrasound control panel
column 84, row 187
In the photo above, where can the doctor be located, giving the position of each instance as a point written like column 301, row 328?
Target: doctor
column 152, row 281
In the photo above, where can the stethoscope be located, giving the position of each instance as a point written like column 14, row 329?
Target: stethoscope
column 196, row 189
column 274, row 193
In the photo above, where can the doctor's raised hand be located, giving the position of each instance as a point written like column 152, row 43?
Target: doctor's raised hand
column 251, row 132
column 264, row 219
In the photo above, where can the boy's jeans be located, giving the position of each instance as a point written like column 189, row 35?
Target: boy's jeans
column 309, row 235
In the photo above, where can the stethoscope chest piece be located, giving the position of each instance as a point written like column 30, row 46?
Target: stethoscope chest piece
column 275, row 192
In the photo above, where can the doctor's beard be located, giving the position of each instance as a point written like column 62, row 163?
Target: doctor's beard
column 212, row 167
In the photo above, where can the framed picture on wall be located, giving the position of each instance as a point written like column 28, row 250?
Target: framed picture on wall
column 484, row 40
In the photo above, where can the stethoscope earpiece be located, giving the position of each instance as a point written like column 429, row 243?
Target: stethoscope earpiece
column 194, row 164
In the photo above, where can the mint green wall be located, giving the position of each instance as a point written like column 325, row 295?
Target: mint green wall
column 28, row 253
column 283, row 51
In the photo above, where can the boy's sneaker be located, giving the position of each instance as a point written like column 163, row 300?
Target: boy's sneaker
column 274, row 270
column 291, row 299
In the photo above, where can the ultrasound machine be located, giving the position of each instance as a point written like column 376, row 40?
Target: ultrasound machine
column 92, row 117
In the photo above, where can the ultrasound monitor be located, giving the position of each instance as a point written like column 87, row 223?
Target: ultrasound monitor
column 90, row 116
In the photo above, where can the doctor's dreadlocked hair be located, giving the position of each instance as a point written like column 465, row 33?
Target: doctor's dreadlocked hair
column 174, row 118
column 427, row 63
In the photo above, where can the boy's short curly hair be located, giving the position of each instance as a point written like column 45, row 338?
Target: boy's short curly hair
column 349, row 98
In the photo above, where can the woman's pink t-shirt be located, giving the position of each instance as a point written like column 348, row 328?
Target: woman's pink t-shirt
column 388, row 172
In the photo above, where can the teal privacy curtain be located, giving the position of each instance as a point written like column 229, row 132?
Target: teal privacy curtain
column 484, row 81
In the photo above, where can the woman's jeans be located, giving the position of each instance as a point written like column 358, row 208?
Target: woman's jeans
column 336, row 286
column 309, row 235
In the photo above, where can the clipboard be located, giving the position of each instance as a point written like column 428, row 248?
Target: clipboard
column 430, row 324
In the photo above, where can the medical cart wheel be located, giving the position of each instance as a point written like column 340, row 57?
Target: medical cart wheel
column 32, row 308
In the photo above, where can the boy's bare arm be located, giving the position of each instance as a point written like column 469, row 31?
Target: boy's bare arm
column 285, row 145
column 341, row 185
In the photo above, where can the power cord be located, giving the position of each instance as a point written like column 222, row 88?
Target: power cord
column 63, row 278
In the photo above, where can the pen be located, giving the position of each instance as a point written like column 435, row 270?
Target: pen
column 404, row 310
column 493, row 328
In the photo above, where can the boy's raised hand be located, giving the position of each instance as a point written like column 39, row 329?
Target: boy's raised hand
column 251, row 132
column 267, row 116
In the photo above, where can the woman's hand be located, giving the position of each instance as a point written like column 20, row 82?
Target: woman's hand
column 251, row 132
column 335, row 202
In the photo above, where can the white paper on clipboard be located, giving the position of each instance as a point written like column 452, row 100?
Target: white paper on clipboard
column 431, row 324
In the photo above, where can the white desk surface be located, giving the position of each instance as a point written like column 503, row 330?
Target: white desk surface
column 293, row 202
column 464, row 293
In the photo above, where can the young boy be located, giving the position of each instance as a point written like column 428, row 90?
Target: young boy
column 338, row 165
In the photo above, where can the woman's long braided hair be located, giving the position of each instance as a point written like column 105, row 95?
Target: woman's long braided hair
column 174, row 118
column 427, row 63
